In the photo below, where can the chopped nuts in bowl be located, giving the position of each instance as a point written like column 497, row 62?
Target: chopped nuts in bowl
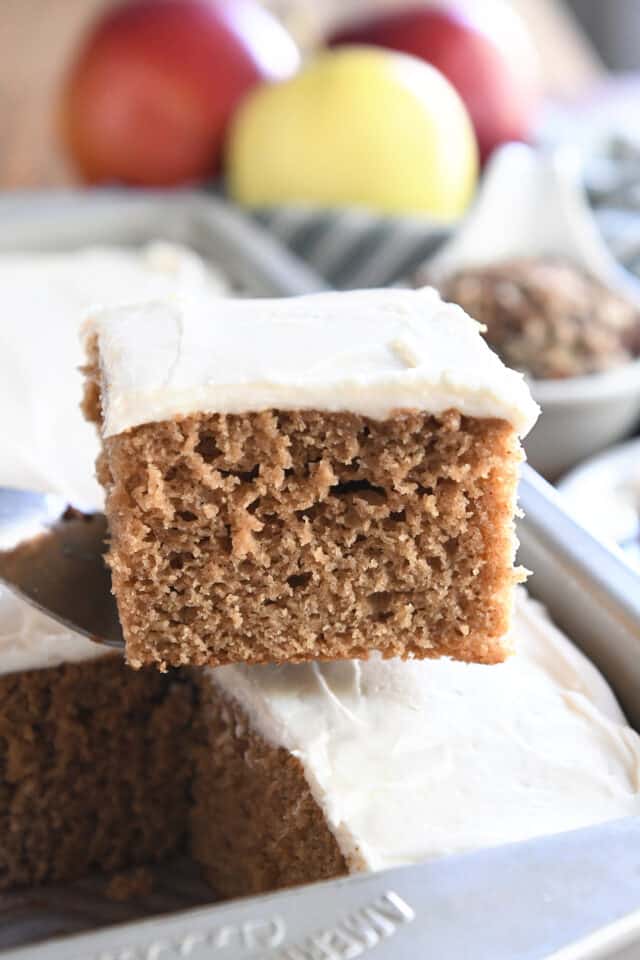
column 577, row 342
column 547, row 318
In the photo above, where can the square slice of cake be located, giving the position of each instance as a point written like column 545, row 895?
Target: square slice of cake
column 310, row 478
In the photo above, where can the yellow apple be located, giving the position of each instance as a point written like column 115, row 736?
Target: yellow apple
column 358, row 126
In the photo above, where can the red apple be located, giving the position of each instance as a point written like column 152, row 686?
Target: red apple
column 149, row 97
column 486, row 55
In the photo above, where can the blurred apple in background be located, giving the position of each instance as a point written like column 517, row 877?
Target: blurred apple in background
column 150, row 95
column 482, row 48
column 358, row 127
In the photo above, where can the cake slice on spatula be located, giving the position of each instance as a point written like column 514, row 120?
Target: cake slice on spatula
column 308, row 478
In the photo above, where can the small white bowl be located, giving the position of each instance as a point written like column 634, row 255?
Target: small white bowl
column 532, row 203
column 581, row 416
column 603, row 494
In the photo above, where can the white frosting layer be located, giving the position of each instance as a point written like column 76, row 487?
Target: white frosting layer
column 421, row 759
column 29, row 640
column 46, row 443
column 369, row 352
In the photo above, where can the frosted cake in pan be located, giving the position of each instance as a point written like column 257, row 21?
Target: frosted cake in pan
column 277, row 775
column 273, row 775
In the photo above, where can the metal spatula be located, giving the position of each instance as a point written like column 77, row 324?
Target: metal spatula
column 53, row 557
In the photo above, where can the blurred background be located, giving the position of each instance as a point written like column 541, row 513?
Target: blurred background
column 614, row 28
column 578, row 41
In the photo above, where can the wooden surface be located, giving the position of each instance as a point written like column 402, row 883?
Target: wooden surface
column 37, row 39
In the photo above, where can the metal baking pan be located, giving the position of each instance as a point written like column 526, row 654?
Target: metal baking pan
column 68, row 220
column 572, row 896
